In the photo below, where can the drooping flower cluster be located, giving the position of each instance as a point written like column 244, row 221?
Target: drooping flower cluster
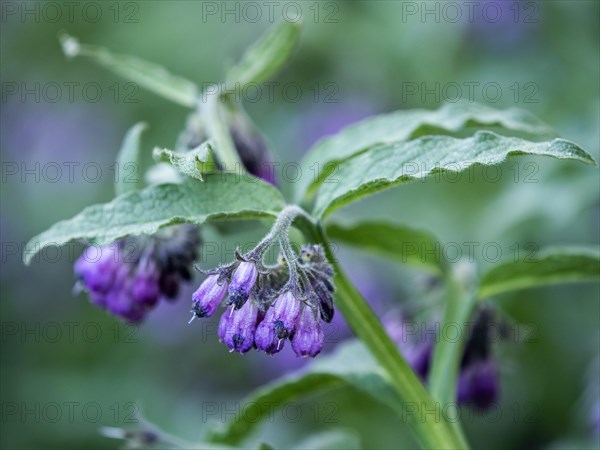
column 267, row 305
column 131, row 275
column 478, row 381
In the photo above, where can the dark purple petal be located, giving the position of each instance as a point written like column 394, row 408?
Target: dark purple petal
column 169, row 285
column 478, row 384
column 308, row 337
column 208, row 296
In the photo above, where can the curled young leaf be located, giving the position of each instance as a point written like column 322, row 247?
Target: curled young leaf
column 193, row 163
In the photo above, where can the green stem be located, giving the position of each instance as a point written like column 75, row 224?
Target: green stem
column 459, row 305
column 430, row 427
column 218, row 131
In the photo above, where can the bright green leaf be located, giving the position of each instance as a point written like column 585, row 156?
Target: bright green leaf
column 263, row 59
column 552, row 266
column 149, row 75
column 144, row 212
column 390, row 165
column 193, row 163
column 350, row 365
column 406, row 245
column 458, row 119
column 129, row 158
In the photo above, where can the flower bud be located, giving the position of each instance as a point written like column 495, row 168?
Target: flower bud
column 265, row 337
column 237, row 331
column 242, row 282
column 478, row 384
column 252, row 148
column 285, row 311
column 308, row 337
column 209, row 296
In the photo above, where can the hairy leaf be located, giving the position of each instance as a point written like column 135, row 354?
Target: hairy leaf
column 263, row 59
column 552, row 266
column 193, row 163
column 149, row 75
column 144, row 212
column 129, row 158
column 407, row 245
column 393, row 164
column 456, row 119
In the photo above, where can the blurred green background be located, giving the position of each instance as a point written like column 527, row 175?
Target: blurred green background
column 60, row 355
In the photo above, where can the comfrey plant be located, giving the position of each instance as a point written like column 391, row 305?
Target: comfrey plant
column 267, row 304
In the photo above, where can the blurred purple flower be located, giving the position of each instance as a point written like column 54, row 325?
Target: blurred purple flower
column 478, row 384
column 502, row 26
column 126, row 277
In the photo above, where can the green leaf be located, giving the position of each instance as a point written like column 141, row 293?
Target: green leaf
column 330, row 440
column 149, row 75
column 129, row 158
column 350, row 365
column 552, row 266
column 406, row 245
column 393, row 164
column 193, row 163
column 221, row 196
column 263, row 59
column 458, row 119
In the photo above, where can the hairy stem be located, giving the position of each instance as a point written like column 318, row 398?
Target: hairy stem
column 430, row 427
